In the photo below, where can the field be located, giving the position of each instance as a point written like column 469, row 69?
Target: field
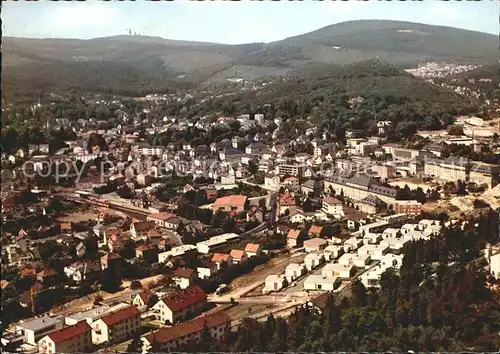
column 80, row 216
column 413, row 183
column 248, row 310
column 274, row 266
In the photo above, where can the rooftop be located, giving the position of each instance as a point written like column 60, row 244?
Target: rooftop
column 161, row 216
column 181, row 299
column 183, row 272
column 168, row 334
column 120, row 315
column 252, row 247
column 237, row 254
column 235, row 200
column 69, row 333
column 40, row 323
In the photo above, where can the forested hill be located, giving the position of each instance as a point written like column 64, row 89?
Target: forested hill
column 354, row 97
column 94, row 76
column 400, row 43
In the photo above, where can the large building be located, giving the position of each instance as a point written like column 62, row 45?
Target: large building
column 169, row 339
column 411, row 207
column 38, row 328
column 360, row 187
column 454, row 169
column 73, row 339
column 399, row 153
column 230, row 203
column 292, row 170
column 175, row 306
column 117, row 327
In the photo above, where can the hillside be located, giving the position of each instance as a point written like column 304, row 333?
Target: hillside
column 404, row 42
column 401, row 43
column 323, row 93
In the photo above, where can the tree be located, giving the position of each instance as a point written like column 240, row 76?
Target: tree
column 156, row 346
column 55, row 205
column 136, row 345
column 135, row 285
column 98, row 299
column 252, row 167
column 461, row 188
column 455, row 130
column 124, row 192
column 359, row 293
column 420, row 195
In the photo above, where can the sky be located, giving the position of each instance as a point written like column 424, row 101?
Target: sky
column 229, row 22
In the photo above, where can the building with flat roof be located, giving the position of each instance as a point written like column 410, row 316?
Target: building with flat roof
column 37, row 328
column 93, row 314
column 317, row 282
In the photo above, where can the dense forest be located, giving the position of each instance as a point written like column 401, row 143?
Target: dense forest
column 353, row 97
column 92, row 76
column 441, row 300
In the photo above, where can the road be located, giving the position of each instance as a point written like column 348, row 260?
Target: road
column 284, row 310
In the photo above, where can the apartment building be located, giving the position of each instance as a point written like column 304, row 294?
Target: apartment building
column 360, row 187
column 399, row 153
column 291, row 170
column 36, row 329
column 332, row 206
column 174, row 307
column 117, row 327
column 73, row 339
column 454, row 169
column 169, row 339
column 410, row 207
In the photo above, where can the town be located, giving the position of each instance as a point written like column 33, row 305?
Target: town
column 113, row 242
column 207, row 177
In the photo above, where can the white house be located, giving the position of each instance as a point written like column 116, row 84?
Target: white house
column 332, row 252
column 355, row 260
column 294, row 271
column 425, row 223
column 174, row 307
column 315, row 245
column 391, row 261
column 375, row 252
column 372, row 277
column 272, row 182
column 394, row 243
column 207, row 270
column 312, row 260
column 274, row 283
column 494, row 261
column 332, row 270
column 332, row 206
column 390, row 232
column 371, row 238
column 352, row 244
column 317, row 282
column 409, row 227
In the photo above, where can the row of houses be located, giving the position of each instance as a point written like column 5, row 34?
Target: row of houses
column 81, row 332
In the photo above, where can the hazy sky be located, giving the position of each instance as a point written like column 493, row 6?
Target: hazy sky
column 229, row 22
